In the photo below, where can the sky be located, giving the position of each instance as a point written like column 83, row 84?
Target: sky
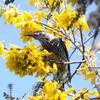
column 10, row 35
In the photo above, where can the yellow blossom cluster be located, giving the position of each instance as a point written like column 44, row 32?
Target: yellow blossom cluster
column 39, row 15
column 27, row 60
column 1, row 48
column 88, row 72
column 52, row 2
column 68, row 44
column 48, row 2
column 65, row 19
column 84, row 94
column 82, row 23
column 26, row 28
column 89, row 69
column 51, row 91
column 91, row 75
column 10, row 14
column 23, row 20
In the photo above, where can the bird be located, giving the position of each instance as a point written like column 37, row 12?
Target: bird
column 8, row 2
column 54, row 45
column 51, row 44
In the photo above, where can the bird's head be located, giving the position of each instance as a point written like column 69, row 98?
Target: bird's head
column 37, row 36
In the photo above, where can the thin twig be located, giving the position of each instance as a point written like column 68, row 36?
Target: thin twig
column 53, row 29
column 72, row 53
column 89, row 39
column 71, row 62
column 76, row 70
column 81, row 34
column 73, row 36
column 70, row 86
column 81, row 95
column 67, row 37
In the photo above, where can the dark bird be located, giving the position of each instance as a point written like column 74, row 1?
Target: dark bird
column 8, row 2
column 54, row 45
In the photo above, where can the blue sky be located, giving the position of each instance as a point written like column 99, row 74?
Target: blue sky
column 22, row 85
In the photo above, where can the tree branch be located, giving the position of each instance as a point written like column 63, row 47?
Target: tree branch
column 71, row 62
column 76, row 70
column 82, row 43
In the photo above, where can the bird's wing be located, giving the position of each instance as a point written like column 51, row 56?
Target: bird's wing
column 60, row 49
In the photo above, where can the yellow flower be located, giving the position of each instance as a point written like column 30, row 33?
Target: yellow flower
column 35, row 98
column 26, row 16
column 90, row 54
column 24, row 21
column 92, row 76
column 1, row 48
column 68, row 44
column 40, row 15
column 79, row 94
column 83, row 69
column 86, row 96
column 70, row 90
column 32, row 2
column 54, row 69
column 82, row 23
column 94, row 92
column 28, row 27
column 65, row 17
column 23, row 17
column 10, row 14
column 50, row 91
column 50, row 87
column 62, row 96
column 51, row 2
column 27, row 61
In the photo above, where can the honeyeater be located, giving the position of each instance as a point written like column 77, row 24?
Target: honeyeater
column 55, row 45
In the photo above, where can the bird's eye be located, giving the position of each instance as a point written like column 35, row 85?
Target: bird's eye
column 36, row 34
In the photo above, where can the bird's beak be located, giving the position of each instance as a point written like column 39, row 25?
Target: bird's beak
column 35, row 36
column 31, row 35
